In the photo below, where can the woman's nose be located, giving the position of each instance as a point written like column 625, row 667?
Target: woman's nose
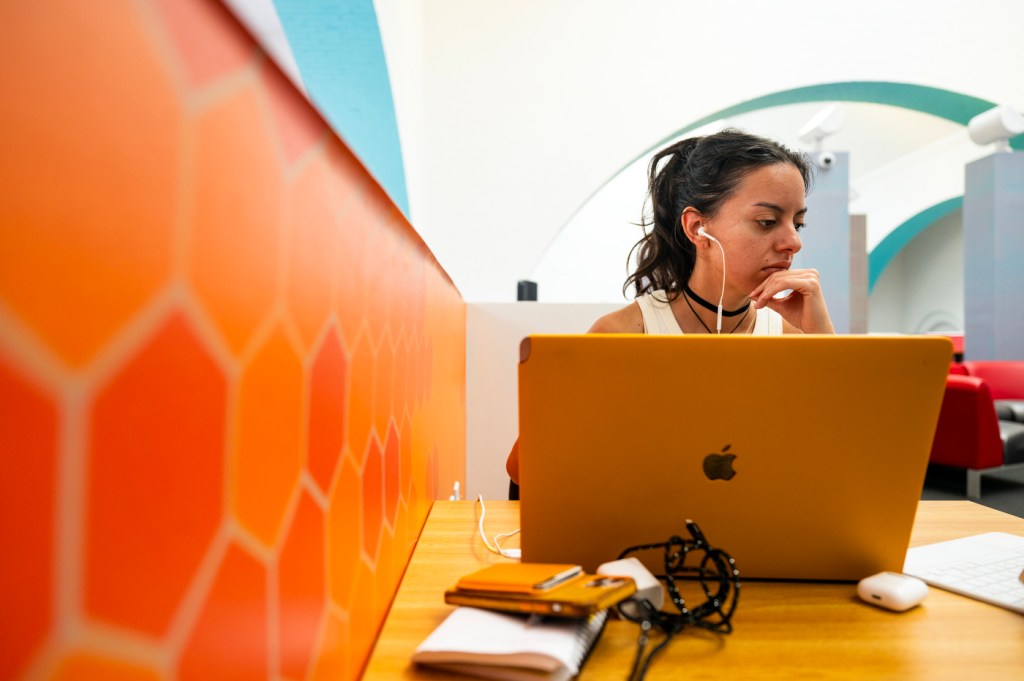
column 791, row 242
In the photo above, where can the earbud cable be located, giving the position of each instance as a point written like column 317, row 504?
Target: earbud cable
column 508, row 553
column 721, row 298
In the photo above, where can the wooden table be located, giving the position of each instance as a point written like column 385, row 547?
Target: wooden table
column 781, row 630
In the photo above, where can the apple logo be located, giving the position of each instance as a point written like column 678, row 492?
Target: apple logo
column 719, row 466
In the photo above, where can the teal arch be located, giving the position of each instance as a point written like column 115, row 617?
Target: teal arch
column 893, row 243
column 951, row 106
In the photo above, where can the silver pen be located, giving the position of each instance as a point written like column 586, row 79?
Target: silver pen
column 559, row 578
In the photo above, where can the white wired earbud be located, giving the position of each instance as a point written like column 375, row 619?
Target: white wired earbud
column 704, row 233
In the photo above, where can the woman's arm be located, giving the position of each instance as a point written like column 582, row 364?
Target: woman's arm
column 512, row 462
column 628, row 319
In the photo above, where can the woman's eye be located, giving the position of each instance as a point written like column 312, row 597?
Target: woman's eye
column 767, row 224
column 799, row 226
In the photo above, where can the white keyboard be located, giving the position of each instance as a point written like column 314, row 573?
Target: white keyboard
column 986, row 567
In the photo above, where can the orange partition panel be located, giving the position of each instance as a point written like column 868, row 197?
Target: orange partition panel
column 232, row 374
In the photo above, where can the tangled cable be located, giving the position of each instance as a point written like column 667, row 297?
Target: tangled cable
column 718, row 578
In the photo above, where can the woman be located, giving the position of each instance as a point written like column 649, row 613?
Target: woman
column 717, row 252
column 726, row 214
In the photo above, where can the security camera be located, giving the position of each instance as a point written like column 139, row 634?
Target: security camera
column 825, row 160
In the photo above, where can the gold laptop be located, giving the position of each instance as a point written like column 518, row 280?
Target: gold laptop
column 801, row 456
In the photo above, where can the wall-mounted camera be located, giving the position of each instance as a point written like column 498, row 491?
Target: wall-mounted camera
column 825, row 160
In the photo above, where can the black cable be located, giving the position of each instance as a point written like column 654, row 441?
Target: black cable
column 718, row 579
column 641, row 645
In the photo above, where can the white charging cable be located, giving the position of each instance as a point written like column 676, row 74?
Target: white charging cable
column 496, row 548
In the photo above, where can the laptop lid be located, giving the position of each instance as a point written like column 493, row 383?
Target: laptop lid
column 801, row 456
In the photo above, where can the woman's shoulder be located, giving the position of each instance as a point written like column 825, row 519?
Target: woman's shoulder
column 628, row 319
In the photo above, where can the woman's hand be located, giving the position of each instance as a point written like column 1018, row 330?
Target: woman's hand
column 804, row 308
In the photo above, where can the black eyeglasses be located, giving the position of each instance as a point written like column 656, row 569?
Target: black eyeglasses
column 717, row 576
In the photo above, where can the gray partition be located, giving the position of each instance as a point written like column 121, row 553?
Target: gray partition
column 993, row 219
column 827, row 239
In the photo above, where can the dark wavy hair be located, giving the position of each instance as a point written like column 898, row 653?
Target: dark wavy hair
column 701, row 172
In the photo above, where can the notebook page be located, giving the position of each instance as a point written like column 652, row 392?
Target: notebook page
column 473, row 634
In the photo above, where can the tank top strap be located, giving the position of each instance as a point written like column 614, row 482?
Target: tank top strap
column 657, row 314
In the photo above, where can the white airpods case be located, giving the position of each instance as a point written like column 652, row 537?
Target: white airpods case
column 892, row 590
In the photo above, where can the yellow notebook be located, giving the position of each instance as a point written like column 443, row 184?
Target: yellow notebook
column 520, row 577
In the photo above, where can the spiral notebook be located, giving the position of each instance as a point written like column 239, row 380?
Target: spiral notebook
column 498, row 645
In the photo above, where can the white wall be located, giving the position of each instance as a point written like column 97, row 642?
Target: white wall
column 512, row 114
column 401, row 32
column 895, row 180
column 493, row 333
column 531, row 105
column 922, row 289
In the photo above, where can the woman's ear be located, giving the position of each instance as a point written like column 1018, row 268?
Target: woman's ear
column 690, row 221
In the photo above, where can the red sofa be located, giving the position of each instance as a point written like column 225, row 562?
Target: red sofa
column 969, row 433
column 1006, row 381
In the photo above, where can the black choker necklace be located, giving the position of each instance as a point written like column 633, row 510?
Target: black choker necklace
column 711, row 306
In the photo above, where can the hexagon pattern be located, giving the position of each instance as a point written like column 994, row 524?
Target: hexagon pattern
column 87, row 219
column 267, row 457
column 392, row 473
column 327, row 410
column 236, row 227
column 301, row 575
column 229, row 639
column 85, row 666
column 222, row 427
column 344, row 547
column 158, row 423
column 373, row 499
column 28, row 494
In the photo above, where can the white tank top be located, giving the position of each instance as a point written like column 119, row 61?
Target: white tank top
column 659, row 320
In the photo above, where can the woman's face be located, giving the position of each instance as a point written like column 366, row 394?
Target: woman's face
column 758, row 226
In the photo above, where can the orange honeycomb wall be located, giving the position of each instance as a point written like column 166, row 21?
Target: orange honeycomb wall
column 232, row 375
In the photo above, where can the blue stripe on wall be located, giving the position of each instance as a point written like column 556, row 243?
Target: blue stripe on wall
column 338, row 48
column 895, row 240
